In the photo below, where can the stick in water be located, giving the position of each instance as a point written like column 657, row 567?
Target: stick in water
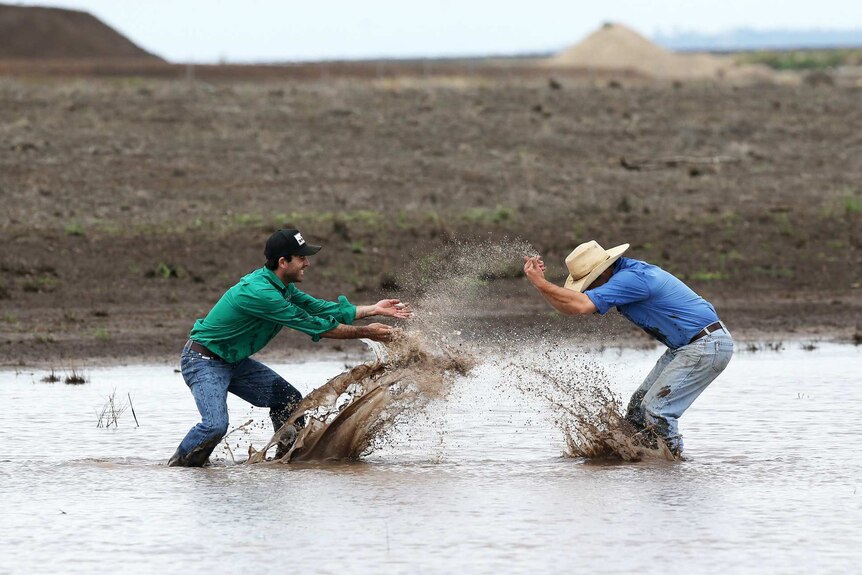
column 133, row 410
column 226, row 444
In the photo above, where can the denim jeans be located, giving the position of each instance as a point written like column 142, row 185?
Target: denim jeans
column 678, row 378
column 210, row 380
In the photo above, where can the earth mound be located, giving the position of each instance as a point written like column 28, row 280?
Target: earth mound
column 617, row 47
column 53, row 33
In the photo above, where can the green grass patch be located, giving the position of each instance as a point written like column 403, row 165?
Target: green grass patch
column 846, row 202
column 708, row 276
column 365, row 218
column 779, row 273
column 40, row 284
column 248, row 220
column 74, row 229
column 494, row 216
column 731, row 219
column 783, row 224
column 852, row 204
column 726, row 258
column 803, row 59
column 166, row 271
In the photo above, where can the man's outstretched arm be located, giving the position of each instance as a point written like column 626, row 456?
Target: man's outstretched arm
column 373, row 331
column 561, row 299
column 385, row 307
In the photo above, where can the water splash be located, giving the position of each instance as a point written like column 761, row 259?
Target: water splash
column 352, row 413
column 588, row 413
column 355, row 411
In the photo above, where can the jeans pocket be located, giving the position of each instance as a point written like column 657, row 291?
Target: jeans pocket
column 190, row 364
column 691, row 355
column 722, row 355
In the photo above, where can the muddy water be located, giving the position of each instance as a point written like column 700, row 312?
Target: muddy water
column 475, row 481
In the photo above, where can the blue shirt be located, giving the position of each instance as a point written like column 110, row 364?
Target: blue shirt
column 654, row 300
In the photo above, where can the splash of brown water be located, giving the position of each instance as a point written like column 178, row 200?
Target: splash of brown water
column 353, row 411
column 586, row 410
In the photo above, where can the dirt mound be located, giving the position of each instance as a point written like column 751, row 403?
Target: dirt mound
column 616, row 47
column 41, row 33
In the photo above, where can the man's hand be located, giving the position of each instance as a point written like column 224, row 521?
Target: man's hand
column 385, row 307
column 563, row 300
column 393, row 308
column 534, row 269
column 379, row 332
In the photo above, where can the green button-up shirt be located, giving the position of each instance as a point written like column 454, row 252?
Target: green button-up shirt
column 253, row 311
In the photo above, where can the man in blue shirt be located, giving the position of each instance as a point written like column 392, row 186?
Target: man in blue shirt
column 699, row 345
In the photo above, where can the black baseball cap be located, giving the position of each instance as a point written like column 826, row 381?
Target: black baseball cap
column 288, row 242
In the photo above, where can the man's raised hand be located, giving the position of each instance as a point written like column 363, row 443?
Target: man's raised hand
column 534, row 268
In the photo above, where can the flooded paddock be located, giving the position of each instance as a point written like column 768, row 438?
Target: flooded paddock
column 475, row 482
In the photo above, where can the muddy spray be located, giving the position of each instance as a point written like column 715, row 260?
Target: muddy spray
column 354, row 412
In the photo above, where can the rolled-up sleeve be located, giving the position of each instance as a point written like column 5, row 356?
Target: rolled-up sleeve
column 288, row 314
column 602, row 306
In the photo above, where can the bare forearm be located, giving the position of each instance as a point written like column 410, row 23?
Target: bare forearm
column 364, row 311
column 385, row 308
column 342, row 331
column 373, row 331
column 563, row 300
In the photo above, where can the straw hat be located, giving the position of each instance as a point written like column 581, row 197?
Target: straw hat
column 588, row 261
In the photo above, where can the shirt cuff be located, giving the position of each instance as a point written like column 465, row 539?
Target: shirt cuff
column 315, row 335
column 347, row 309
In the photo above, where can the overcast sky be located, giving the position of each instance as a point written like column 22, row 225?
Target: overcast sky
column 281, row 30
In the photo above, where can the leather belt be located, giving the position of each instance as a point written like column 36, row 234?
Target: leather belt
column 195, row 346
column 715, row 326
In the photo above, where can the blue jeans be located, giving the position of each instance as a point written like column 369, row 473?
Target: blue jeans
column 209, row 380
column 678, row 378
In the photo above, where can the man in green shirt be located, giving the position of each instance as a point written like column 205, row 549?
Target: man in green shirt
column 215, row 360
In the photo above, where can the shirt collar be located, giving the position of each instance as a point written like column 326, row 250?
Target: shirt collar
column 274, row 280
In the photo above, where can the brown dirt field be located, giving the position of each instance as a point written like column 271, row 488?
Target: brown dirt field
column 131, row 204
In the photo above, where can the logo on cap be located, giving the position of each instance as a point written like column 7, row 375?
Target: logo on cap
column 299, row 239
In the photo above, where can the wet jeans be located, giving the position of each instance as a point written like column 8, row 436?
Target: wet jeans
column 678, row 378
column 209, row 380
